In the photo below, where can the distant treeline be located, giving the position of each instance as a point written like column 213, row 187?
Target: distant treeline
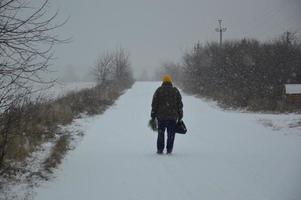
column 241, row 74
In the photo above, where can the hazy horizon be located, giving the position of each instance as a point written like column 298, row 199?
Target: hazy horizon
column 158, row 31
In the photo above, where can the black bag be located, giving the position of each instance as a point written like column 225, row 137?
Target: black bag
column 180, row 127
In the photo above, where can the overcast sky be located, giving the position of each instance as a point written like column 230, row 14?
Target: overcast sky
column 155, row 31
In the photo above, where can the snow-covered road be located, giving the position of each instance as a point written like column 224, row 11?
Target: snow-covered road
column 224, row 156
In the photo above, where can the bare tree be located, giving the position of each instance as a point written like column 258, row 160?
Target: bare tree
column 122, row 64
column 113, row 65
column 27, row 39
column 103, row 68
column 26, row 46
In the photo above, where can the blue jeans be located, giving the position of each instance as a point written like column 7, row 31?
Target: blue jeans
column 162, row 126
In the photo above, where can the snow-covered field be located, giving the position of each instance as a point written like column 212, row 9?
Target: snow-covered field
column 224, row 156
column 62, row 88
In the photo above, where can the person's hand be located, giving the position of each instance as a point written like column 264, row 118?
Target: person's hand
column 153, row 115
column 153, row 124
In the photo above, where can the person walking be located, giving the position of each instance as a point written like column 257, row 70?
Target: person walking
column 167, row 107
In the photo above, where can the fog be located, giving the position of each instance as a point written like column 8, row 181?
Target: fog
column 161, row 30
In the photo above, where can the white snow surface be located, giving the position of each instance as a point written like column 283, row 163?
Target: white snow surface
column 62, row 88
column 225, row 155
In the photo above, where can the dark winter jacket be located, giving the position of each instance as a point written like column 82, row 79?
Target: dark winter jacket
column 167, row 103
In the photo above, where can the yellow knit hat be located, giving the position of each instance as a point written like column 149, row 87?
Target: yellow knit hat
column 167, row 79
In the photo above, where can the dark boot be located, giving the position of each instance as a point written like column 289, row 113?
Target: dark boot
column 160, row 152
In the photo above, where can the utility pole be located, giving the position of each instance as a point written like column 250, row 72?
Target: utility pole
column 220, row 30
column 288, row 39
column 197, row 47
